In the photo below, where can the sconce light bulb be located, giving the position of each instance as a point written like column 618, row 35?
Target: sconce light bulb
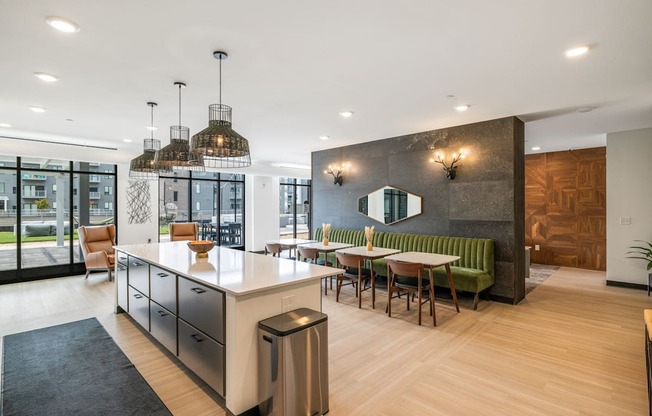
column 454, row 155
column 432, row 160
column 325, row 171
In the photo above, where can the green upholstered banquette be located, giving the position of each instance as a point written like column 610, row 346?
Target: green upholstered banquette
column 473, row 272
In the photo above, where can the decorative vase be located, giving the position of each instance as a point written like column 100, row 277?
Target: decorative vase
column 370, row 246
column 325, row 241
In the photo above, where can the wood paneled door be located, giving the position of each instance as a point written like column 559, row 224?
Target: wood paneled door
column 566, row 208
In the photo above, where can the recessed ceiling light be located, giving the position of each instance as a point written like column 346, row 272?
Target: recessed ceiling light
column 585, row 109
column 324, row 137
column 62, row 25
column 126, row 140
column 575, row 52
column 346, row 114
column 38, row 109
column 535, row 148
column 461, row 108
column 7, row 125
column 151, row 128
column 46, row 77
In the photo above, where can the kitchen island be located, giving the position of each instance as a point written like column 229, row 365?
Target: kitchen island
column 205, row 310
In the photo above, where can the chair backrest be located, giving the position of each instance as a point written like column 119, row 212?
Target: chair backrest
column 405, row 269
column 349, row 260
column 273, row 248
column 180, row 231
column 97, row 238
column 308, row 253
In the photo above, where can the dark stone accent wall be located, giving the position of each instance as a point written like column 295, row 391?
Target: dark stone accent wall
column 485, row 200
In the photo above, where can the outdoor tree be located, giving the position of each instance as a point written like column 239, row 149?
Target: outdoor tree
column 42, row 204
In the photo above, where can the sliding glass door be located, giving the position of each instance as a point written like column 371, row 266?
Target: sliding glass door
column 214, row 200
column 294, row 208
column 44, row 202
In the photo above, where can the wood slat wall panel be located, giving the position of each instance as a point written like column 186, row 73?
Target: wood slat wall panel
column 566, row 208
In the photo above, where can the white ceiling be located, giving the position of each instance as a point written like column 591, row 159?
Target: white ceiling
column 294, row 64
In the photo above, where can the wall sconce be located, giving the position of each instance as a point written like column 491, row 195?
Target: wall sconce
column 451, row 170
column 337, row 177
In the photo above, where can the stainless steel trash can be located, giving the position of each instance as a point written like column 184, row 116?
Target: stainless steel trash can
column 293, row 364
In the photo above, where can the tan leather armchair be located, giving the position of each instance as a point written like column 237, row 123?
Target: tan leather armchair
column 97, row 245
column 180, row 231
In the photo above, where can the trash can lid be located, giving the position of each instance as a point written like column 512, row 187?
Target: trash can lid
column 291, row 322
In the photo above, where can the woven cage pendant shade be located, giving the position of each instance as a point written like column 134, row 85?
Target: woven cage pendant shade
column 219, row 144
column 143, row 167
column 177, row 154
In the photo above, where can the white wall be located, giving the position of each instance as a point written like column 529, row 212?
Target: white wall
column 629, row 195
column 135, row 233
column 262, row 211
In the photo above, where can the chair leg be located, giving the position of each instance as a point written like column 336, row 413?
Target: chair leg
column 88, row 271
column 476, row 299
column 338, row 286
column 110, row 277
column 432, row 302
column 359, row 292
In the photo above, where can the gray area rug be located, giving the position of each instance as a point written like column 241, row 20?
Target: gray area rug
column 72, row 369
column 538, row 274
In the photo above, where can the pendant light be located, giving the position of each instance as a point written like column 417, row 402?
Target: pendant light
column 142, row 167
column 219, row 144
column 177, row 154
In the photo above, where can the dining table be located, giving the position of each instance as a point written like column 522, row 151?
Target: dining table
column 431, row 261
column 370, row 255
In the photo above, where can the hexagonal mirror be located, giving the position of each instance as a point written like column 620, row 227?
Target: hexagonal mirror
column 389, row 205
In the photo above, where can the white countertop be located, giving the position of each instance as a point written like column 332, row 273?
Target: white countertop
column 233, row 271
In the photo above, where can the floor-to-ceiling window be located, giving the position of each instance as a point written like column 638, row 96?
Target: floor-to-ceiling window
column 44, row 201
column 214, row 200
column 294, row 208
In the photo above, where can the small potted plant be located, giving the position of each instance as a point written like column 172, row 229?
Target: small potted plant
column 643, row 253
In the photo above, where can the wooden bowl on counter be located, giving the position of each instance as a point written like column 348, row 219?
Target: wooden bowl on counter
column 201, row 247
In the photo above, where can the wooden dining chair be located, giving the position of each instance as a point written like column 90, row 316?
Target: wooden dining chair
column 356, row 274
column 407, row 278
column 312, row 254
column 273, row 249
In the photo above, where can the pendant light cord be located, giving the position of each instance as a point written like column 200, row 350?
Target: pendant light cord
column 220, row 84
column 179, row 104
column 151, row 124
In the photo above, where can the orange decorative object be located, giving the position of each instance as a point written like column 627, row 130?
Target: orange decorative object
column 201, row 247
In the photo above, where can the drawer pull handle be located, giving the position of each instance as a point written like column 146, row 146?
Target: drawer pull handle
column 137, row 296
column 162, row 313
column 267, row 338
column 162, row 274
column 198, row 290
column 197, row 338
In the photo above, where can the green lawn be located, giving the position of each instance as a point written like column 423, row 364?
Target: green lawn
column 7, row 237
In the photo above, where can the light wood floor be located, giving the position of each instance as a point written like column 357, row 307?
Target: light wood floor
column 573, row 347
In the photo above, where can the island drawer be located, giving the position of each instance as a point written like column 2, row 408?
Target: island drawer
column 164, row 326
column 139, row 275
column 163, row 288
column 121, row 285
column 202, row 307
column 121, row 258
column 139, row 307
column 202, row 355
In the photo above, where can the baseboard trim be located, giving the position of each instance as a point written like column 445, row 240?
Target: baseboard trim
column 627, row 285
column 501, row 299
